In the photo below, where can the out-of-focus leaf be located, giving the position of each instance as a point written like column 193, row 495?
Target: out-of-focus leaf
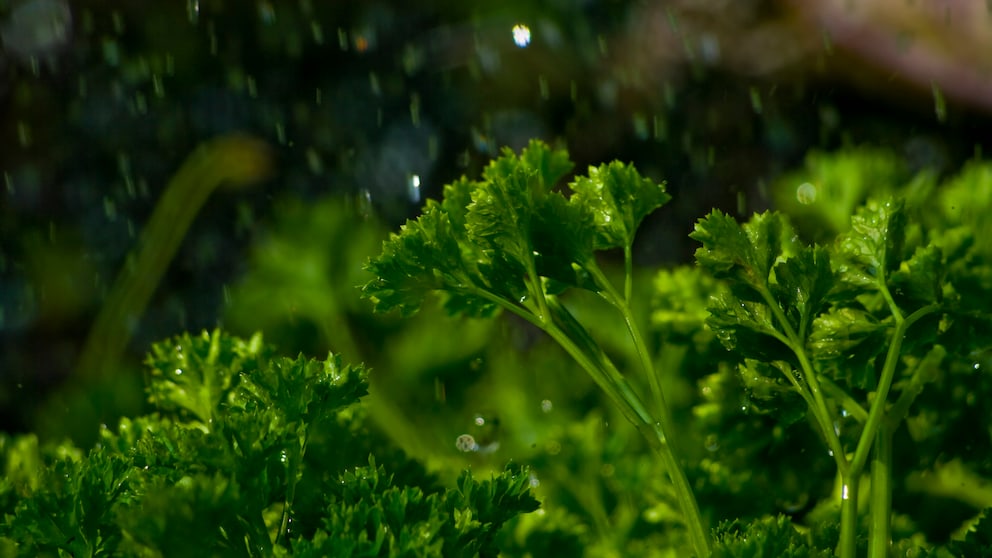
column 920, row 278
column 847, row 340
column 769, row 537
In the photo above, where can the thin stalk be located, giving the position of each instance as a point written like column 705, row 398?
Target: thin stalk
column 846, row 401
column 576, row 341
column 880, row 510
column 653, row 431
column 292, row 478
column 628, row 273
column 876, row 416
column 876, row 412
column 819, row 408
column 654, row 381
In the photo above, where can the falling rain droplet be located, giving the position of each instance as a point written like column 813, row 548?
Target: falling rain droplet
column 266, row 13
column 193, row 11
column 365, row 203
column 640, row 123
column 24, row 133
column 466, row 443
column 413, row 188
column 756, row 100
column 939, row 104
column 521, row 35
column 806, row 193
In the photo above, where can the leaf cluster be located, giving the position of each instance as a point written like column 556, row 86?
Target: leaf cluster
column 512, row 238
column 223, row 467
column 882, row 324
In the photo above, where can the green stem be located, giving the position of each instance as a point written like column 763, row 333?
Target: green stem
column 561, row 326
column 628, row 273
column 846, row 401
column 654, row 432
column 876, row 412
column 292, row 478
column 654, row 381
column 819, row 407
column 879, row 528
column 847, row 547
column 876, row 415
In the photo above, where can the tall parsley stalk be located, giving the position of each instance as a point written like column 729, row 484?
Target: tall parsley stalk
column 512, row 242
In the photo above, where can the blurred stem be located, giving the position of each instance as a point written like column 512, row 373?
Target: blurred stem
column 926, row 371
column 846, row 401
column 236, row 160
column 628, row 274
column 879, row 528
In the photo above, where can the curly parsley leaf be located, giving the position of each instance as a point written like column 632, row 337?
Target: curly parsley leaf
column 847, row 340
column 802, row 283
column 776, row 289
column 192, row 374
column 224, row 479
column 511, row 236
column 619, row 198
column 873, row 247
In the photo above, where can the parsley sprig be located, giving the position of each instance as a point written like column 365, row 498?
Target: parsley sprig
column 512, row 241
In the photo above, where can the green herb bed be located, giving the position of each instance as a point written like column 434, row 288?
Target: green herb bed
column 816, row 384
